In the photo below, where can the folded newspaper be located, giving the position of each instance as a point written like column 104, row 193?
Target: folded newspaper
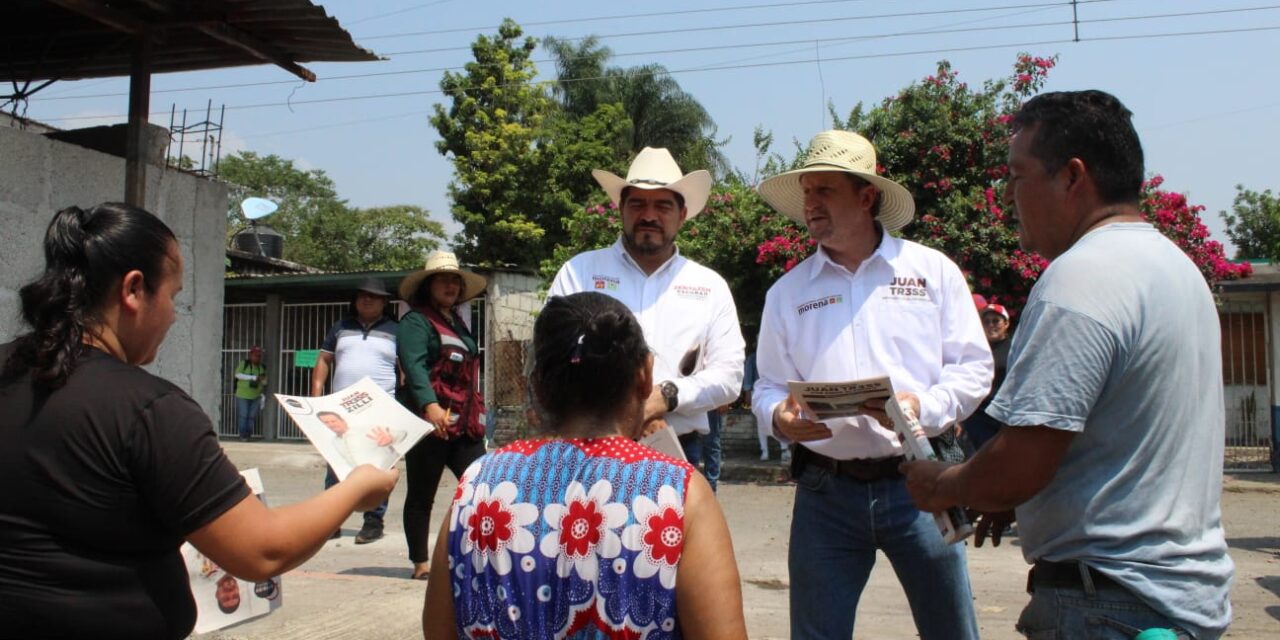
column 828, row 400
column 360, row 424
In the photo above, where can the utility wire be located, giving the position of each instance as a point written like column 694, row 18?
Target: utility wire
column 746, row 45
column 782, row 23
column 397, row 12
column 842, row 40
column 729, row 67
column 807, row 41
column 655, row 14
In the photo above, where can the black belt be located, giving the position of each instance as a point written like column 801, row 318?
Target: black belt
column 1066, row 575
column 864, row 470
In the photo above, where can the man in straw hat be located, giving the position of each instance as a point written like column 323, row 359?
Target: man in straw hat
column 361, row 344
column 686, row 310
column 1113, row 402
column 866, row 304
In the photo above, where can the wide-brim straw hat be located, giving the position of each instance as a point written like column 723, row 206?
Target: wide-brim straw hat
column 656, row 169
column 846, row 152
column 473, row 284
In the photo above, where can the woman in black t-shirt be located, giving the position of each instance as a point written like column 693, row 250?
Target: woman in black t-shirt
column 106, row 468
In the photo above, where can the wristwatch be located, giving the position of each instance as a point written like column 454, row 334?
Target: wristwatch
column 670, row 393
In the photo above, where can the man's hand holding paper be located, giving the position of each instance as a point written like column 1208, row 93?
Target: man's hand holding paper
column 874, row 408
column 790, row 422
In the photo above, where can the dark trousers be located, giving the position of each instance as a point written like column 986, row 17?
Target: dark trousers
column 423, row 465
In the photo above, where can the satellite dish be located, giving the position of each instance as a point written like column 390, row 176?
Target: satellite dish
column 255, row 208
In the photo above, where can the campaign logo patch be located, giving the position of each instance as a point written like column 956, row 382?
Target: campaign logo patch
column 691, row 292
column 907, row 288
column 825, row 301
column 605, row 283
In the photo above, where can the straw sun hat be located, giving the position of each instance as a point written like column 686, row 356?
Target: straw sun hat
column 846, row 152
column 443, row 262
column 656, row 169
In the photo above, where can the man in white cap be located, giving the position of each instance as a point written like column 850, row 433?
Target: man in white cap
column 866, row 304
column 686, row 310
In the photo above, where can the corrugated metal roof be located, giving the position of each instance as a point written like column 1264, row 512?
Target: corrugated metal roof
column 72, row 39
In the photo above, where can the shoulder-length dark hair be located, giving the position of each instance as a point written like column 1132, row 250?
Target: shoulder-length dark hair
column 86, row 253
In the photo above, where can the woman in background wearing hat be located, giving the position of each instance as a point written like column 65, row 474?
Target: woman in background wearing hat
column 442, row 384
column 251, row 380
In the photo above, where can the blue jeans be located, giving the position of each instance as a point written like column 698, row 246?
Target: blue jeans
column 711, row 449
column 837, row 525
column 1104, row 612
column 330, row 479
column 705, row 449
column 247, row 415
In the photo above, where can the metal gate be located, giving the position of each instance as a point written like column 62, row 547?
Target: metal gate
column 1246, row 384
column 302, row 327
column 243, row 325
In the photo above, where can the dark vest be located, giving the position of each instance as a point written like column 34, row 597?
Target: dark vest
column 455, row 378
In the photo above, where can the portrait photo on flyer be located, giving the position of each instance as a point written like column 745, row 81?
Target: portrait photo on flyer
column 221, row 598
column 359, row 424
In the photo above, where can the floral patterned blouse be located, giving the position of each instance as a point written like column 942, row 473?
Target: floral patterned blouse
column 568, row 539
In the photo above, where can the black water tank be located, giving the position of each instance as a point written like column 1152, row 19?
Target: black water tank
column 272, row 243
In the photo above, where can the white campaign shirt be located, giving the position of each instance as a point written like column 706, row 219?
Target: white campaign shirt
column 906, row 313
column 681, row 306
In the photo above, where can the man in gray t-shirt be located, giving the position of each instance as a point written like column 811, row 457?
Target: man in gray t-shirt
column 1113, row 396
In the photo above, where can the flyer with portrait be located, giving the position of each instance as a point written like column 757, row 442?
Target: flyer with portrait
column 360, row 424
column 221, row 598
column 828, row 400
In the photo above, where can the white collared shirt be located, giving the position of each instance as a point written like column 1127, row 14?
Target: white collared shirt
column 681, row 306
column 906, row 312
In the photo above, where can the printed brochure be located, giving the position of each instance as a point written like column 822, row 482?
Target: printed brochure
column 360, row 424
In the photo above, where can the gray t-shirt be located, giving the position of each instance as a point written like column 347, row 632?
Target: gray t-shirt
column 1119, row 343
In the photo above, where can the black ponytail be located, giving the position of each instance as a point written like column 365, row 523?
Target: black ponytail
column 588, row 350
column 86, row 252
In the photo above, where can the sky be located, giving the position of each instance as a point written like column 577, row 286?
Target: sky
column 1195, row 73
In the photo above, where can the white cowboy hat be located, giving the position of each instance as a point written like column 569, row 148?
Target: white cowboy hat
column 443, row 262
column 656, row 169
column 846, row 152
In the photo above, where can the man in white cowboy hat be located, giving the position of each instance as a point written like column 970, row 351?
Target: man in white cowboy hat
column 1114, row 430
column 363, row 343
column 865, row 304
column 686, row 310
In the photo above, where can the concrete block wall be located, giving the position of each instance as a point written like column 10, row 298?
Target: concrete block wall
column 39, row 176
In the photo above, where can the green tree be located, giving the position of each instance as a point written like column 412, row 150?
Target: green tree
column 661, row 114
column 1253, row 224
column 378, row 238
column 491, row 132
column 301, row 194
column 320, row 229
